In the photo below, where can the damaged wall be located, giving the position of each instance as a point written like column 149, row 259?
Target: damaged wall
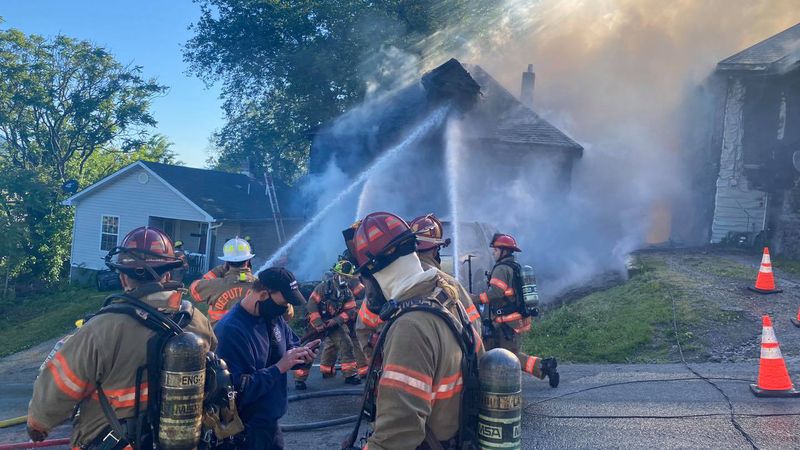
column 737, row 207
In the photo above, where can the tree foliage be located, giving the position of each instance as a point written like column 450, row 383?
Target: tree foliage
column 68, row 110
column 288, row 66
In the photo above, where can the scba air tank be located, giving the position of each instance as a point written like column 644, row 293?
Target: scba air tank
column 500, row 412
column 183, row 377
column 530, row 295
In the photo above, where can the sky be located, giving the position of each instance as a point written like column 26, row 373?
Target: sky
column 146, row 33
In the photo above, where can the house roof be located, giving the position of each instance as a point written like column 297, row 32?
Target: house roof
column 219, row 195
column 362, row 133
column 774, row 54
column 517, row 124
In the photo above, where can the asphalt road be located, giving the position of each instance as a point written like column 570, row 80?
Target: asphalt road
column 584, row 412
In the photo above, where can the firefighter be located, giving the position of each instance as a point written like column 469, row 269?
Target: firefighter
column 331, row 311
column 180, row 272
column 347, row 270
column 430, row 241
column 95, row 371
column 430, row 232
column 417, row 383
column 222, row 293
column 359, row 292
column 505, row 317
column 250, row 241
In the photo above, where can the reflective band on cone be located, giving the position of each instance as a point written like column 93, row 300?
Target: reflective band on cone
column 773, row 376
column 765, row 281
column 768, row 336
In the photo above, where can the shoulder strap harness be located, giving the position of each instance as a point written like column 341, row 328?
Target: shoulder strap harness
column 519, row 303
column 165, row 327
column 462, row 330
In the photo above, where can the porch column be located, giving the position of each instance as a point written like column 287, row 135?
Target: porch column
column 209, row 250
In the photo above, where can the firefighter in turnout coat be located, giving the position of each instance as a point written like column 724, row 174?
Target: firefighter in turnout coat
column 504, row 321
column 346, row 269
column 331, row 310
column 429, row 232
column 180, row 272
column 417, row 382
column 108, row 349
column 225, row 286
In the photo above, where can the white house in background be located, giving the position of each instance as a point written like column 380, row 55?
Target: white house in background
column 185, row 203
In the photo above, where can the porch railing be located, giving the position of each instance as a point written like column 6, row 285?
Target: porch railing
column 197, row 263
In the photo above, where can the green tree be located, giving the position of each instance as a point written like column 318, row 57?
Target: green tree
column 286, row 67
column 68, row 110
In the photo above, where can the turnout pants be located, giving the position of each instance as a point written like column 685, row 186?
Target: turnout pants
column 504, row 337
column 338, row 344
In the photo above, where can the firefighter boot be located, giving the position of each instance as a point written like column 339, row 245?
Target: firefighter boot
column 300, row 385
column 355, row 380
column 549, row 369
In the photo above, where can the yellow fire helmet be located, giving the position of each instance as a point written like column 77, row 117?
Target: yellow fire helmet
column 344, row 268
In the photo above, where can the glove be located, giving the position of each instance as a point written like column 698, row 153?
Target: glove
column 36, row 435
column 488, row 329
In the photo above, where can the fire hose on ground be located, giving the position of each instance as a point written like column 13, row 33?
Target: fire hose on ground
column 49, row 443
column 290, row 427
column 11, row 422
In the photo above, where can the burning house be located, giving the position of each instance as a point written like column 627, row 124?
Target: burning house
column 488, row 139
column 757, row 138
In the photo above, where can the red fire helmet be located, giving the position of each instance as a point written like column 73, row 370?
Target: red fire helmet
column 429, row 231
column 506, row 241
column 144, row 252
column 380, row 239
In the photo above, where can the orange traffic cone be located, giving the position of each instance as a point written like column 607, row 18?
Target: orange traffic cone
column 773, row 377
column 796, row 322
column 765, row 282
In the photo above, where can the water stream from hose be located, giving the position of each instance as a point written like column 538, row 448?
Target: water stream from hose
column 451, row 162
column 432, row 121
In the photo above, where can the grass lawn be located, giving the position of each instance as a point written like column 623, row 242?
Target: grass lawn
column 787, row 265
column 28, row 321
column 625, row 324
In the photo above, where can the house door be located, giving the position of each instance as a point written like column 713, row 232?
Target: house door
column 165, row 225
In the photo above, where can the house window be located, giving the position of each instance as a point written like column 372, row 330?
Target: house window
column 109, row 233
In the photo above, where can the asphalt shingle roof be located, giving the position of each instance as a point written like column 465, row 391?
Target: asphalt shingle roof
column 362, row 133
column 516, row 124
column 774, row 53
column 224, row 195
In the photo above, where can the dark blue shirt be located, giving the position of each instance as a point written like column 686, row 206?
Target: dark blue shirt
column 244, row 343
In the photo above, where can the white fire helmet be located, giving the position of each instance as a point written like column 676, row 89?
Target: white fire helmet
column 236, row 250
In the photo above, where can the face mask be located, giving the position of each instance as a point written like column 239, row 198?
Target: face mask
column 375, row 299
column 269, row 310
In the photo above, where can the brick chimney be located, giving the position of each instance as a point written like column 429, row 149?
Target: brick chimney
column 526, row 94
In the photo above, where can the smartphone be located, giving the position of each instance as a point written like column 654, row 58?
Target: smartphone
column 313, row 345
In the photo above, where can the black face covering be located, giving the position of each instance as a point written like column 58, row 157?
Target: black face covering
column 269, row 310
column 375, row 299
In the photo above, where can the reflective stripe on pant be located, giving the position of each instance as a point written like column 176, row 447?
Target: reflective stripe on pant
column 338, row 343
column 361, row 359
column 509, row 340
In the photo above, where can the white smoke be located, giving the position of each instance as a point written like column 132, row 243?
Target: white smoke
column 613, row 75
